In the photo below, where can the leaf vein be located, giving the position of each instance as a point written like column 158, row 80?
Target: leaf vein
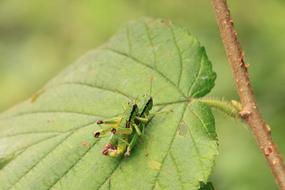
column 13, row 185
column 116, row 91
column 70, row 133
column 52, row 112
column 197, row 152
column 152, row 45
column 177, row 169
column 23, row 149
column 202, row 122
column 110, row 175
column 46, row 132
column 148, row 66
column 169, row 148
column 196, row 77
column 30, row 133
column 179, row 55
column 74, row 164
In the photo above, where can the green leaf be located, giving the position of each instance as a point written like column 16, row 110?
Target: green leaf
column 46, row 142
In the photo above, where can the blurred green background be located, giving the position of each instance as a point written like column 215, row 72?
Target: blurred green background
column 38, row 38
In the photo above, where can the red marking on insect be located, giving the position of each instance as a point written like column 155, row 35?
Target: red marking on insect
column 108, row 148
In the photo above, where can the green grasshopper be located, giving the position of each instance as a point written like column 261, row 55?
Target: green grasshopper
column 126, row 129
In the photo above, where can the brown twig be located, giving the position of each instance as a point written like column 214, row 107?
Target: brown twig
column 249, row 112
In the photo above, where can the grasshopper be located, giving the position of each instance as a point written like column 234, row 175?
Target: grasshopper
column 126, row 129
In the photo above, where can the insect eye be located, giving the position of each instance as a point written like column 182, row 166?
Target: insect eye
column 128, row 125
column 99, row 122
column 114, row 131
column 97, row 134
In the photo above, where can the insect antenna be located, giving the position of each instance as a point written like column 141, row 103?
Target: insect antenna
column 150, row 88
column 131, row 98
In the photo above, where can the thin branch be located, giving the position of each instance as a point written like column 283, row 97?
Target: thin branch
column 249, row 112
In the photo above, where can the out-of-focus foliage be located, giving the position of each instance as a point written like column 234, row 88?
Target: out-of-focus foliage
column 38, row 38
